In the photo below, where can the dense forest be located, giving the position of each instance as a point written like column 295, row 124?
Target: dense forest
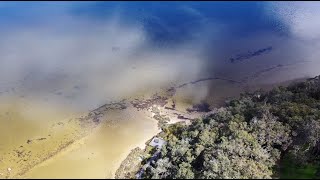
column 274, row 134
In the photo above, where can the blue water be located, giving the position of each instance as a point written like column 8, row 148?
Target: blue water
column 222, row 29
column 174, row 22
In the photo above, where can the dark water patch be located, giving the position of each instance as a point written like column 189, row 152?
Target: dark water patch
column 250, row 54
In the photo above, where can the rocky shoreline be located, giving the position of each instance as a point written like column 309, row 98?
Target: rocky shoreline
column 161, row 110
column 160, row 107
column 130, row 165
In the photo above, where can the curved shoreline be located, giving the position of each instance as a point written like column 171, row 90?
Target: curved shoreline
column 172, row 91
column 142, row 145
column 87, row 137
column 93, row 118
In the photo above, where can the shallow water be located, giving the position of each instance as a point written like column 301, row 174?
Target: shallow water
column 100, row 154
column 70, row 150
column 32, row 130
column 59, row 147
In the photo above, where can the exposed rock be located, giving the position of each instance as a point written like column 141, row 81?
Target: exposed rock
column 145, row 104
column 202, row 107
column 130, row 165
column 182, row 117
